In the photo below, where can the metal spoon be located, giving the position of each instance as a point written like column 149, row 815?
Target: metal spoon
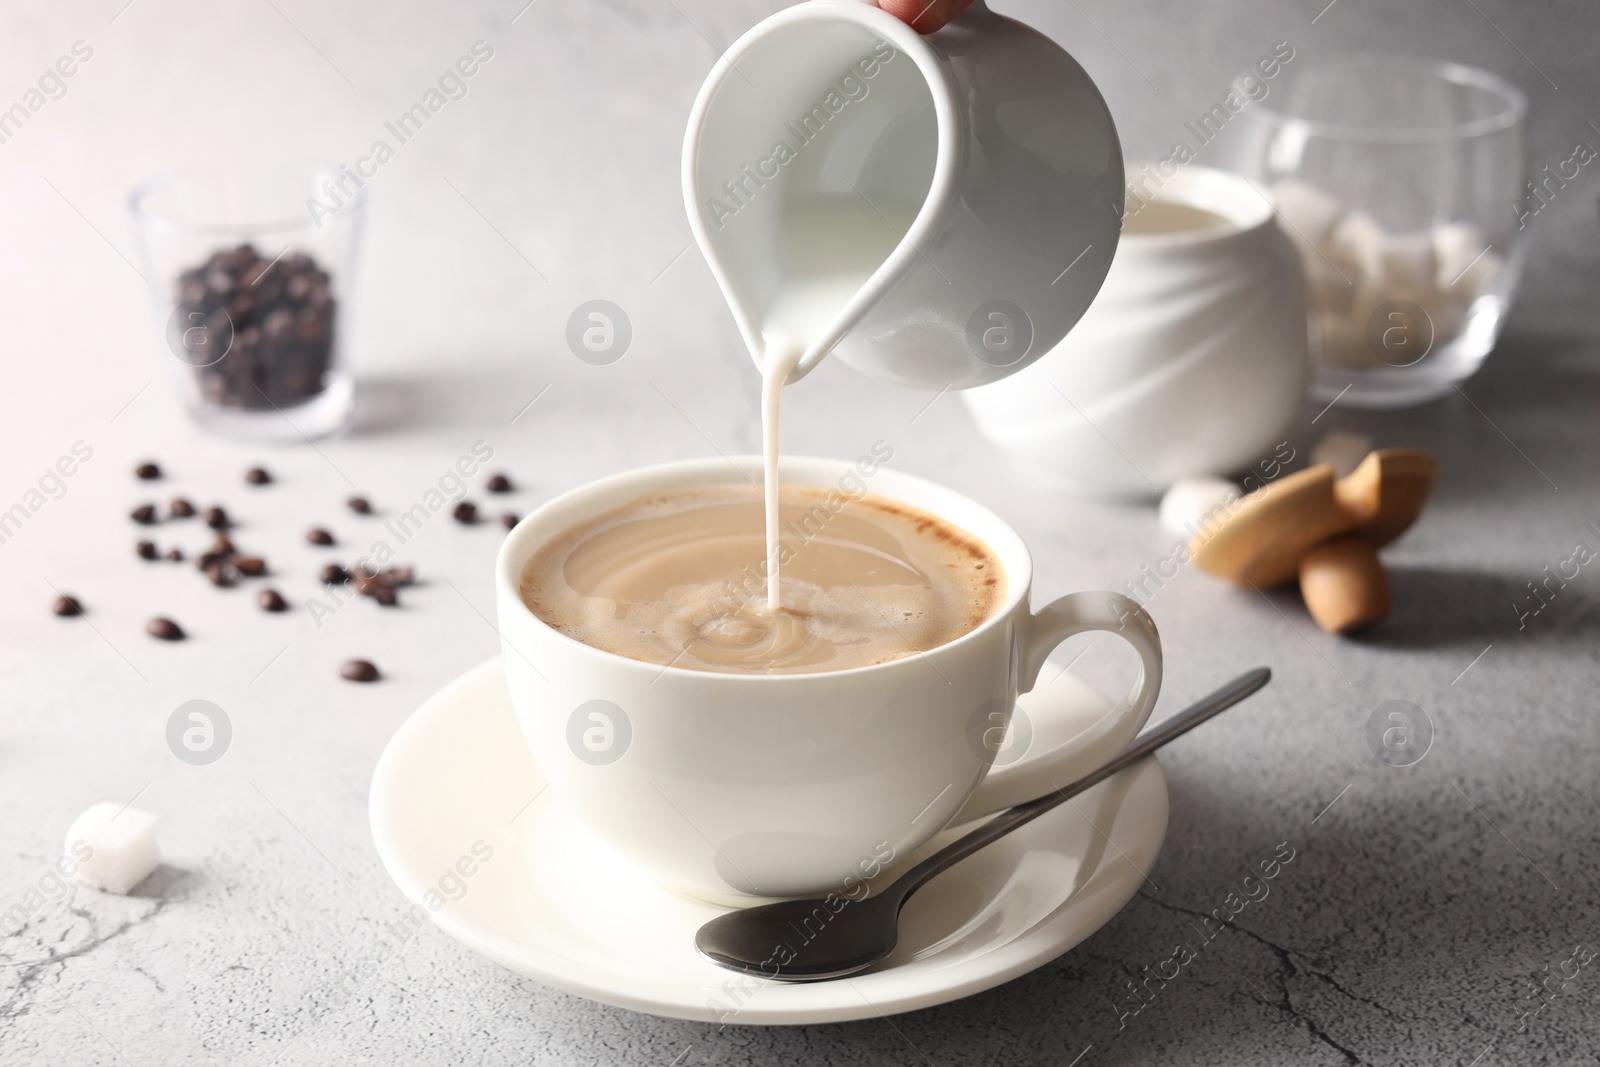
column 823, row 943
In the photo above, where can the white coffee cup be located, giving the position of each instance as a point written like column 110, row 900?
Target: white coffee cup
column 731, row 787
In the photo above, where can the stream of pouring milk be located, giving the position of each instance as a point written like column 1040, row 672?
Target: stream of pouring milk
column 782, row 356
column 828, row 251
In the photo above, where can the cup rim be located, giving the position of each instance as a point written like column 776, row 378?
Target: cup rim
column 143, row 215
column 941, row 187
column 1514, row 103
column 1014, row 558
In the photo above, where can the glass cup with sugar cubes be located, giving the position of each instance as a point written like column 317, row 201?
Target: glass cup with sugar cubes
column 1404, row 185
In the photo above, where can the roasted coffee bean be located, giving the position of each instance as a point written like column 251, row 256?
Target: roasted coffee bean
column 165, row 629
column 257, row 476
column 364, row 569
column 216, row 518
column 509, row 520
column 206, row 559
column 146, row 550
column 358, row 670
column 360, row 505
column 147, row 472
column 221, row 574
column 250, row 566
column 378, row 590
column 333, row 574
column 180, row 508
column 466, row 513
column 223, row 546
column 67, row 605
column 271, row 600
column 318, row 536
column 499, row 484
column 175, row 555
column 396, row 577
column 144, row 514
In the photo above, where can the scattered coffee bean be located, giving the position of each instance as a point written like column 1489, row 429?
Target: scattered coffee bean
column 333, row 574
column 358, row 670
column 508, row 520
column 318, row 536
column 144, row 514
column 221, row 574
column 147, row 472
column 250, row 566
column 180, row 508
column 360, row 505
column 271, row 600
column 165, row 629
column 466, row 513
column 378, row 590
column 216, row 518
column 146, row 550
column 280, row 318
column 499, row 484
column 395, row 577
column 364, row 569
column 175, row 555
column 258, row 476
column 222, row 546
column 67, row 605
column 206, row 559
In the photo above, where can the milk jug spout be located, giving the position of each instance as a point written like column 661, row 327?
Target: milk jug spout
column 934, row 211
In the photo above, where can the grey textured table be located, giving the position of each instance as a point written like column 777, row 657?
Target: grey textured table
column 1424, row 904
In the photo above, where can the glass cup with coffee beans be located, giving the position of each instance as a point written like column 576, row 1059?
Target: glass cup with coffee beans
column 252, row 273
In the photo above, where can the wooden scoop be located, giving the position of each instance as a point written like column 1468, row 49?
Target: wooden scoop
column 1325, row 531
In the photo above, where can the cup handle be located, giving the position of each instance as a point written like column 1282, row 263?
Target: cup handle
column 1035, row 775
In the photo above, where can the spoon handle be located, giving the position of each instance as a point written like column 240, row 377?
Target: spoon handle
column 1138, row 749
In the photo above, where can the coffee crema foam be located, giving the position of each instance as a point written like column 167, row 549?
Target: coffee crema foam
column 679, row 579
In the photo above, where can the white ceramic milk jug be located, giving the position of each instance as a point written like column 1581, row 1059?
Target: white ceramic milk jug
column 937, row 211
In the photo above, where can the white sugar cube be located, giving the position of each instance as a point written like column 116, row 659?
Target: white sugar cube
column 1477, row 277
column 1358, row 239
column 1192, row 502
column 1342, row 340
column 1458, row 245
column 1308, row 213
column 1344, row 451
column 121, row 846
column 1408, row 261
column 1327, row 289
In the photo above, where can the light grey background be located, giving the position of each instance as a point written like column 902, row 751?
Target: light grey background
column 1427, row 899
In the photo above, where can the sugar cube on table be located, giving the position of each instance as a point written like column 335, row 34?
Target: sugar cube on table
column 1191, row 502
column 115, row 846
column 1343, row 451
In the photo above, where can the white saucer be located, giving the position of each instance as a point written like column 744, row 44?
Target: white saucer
column 559, row 906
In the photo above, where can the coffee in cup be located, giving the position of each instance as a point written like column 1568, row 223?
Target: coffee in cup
column 679, row 578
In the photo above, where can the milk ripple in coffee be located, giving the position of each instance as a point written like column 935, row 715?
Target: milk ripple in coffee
column 679, row 578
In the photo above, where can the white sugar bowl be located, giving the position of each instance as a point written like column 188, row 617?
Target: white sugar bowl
column 1191, row 361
